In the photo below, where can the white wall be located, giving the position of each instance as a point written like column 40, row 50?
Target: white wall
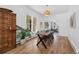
column 74, row 33
column 61, row 20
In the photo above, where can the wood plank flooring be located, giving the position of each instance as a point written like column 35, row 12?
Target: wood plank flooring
column 58, row 46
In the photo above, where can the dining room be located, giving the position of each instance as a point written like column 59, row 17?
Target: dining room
column 43, row 29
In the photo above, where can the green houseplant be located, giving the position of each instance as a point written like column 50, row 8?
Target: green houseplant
column 18, row 36
column 27, row 32
column 24, row 33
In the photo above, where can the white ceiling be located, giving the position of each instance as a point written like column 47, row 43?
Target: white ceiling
column 54, row 9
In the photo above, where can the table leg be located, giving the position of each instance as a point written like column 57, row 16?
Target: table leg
column 42, row 43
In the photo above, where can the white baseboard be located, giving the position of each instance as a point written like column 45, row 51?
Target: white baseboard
column 73, row 46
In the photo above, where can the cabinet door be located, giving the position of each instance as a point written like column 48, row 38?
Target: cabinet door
column 13, row 32
column 5, row 32
column 0, row 31
column 3, row 36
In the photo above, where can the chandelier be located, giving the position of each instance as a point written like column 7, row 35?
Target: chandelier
column 46, row 12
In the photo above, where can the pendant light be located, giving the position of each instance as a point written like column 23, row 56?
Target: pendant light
column 46, row 12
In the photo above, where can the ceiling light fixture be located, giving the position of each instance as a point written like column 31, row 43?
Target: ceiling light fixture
column 46, row 12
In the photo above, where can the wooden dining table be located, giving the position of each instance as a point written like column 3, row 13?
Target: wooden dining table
column 44, row 36
column 44, row 33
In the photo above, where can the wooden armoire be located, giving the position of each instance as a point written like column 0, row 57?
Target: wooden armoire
column 7, row 30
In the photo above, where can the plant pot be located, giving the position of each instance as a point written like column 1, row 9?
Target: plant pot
column 23, row 41
column 27, row 38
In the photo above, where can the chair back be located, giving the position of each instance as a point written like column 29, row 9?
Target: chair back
column 51, row 35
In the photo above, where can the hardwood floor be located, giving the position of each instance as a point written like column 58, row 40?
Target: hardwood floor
column 58, row 46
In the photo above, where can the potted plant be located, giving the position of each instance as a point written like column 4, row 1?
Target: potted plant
column 27, row 34
column 23, row 35
column 18, row 36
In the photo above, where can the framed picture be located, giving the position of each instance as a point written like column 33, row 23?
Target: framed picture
column 73, row 21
